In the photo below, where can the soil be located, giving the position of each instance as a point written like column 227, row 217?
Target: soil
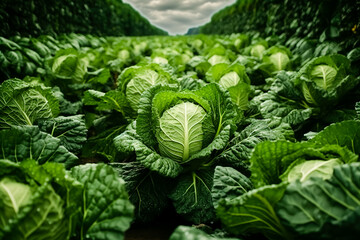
column 150, row 232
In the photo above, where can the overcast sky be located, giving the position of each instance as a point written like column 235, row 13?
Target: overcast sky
column 177, row 16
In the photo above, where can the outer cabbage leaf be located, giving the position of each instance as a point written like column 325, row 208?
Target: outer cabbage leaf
column 240, row 95
column 271, row 105
column 337, row 115
column 254, row 212
column 103, row 143
column 22, row 103
column 192, row 196
column 66, row 107
column 70, row 130
column 200, row 65
column 103, row 75
column 322, row 208
column 190, row 82
column 283, row 100
column 239, row 149
column 346, row 134
column 129, row 141
column 20, row 143
column 107, row 212
column 227, row 75
column 223, row 112
column 14, row 195
column 229, row 184
column 148, row 190
column 109, row 101
column 216, row 71
column 67, row 187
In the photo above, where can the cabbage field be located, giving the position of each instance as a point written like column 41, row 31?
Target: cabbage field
column 211, row 136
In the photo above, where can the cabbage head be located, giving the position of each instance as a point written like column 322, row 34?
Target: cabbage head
column 136, row 79
column 177, row 130
column 275, row 59
column 181, row 134
column 233, row 78
column 325, row 80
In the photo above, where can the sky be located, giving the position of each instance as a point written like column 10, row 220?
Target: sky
column 177, row 16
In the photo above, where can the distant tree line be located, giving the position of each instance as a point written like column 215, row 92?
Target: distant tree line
column 336, row 20
column 100, row 17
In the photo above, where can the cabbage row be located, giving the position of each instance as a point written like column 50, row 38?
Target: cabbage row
column 242, row 136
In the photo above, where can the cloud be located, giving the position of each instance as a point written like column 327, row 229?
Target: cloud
column 177, row 16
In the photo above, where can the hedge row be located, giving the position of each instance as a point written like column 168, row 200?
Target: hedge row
column 52, row 17
column 335, row 20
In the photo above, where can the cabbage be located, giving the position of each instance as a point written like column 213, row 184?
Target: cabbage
column 181, row 134
column 229, row 80
column 257, row 50
column 134, row 80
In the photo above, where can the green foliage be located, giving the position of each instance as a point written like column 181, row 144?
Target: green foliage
column 284, row 100
column 304, row 169
column 133, row 81
column 111, row 100
column 345, row 134
column 191, row 196
column 239, row 129
column 148, row 191
column 21, row 142
column 228, row 184
column 70, row 130
column 233, row 78
column 239, row 149
column 201, row 124
column 106, row 212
